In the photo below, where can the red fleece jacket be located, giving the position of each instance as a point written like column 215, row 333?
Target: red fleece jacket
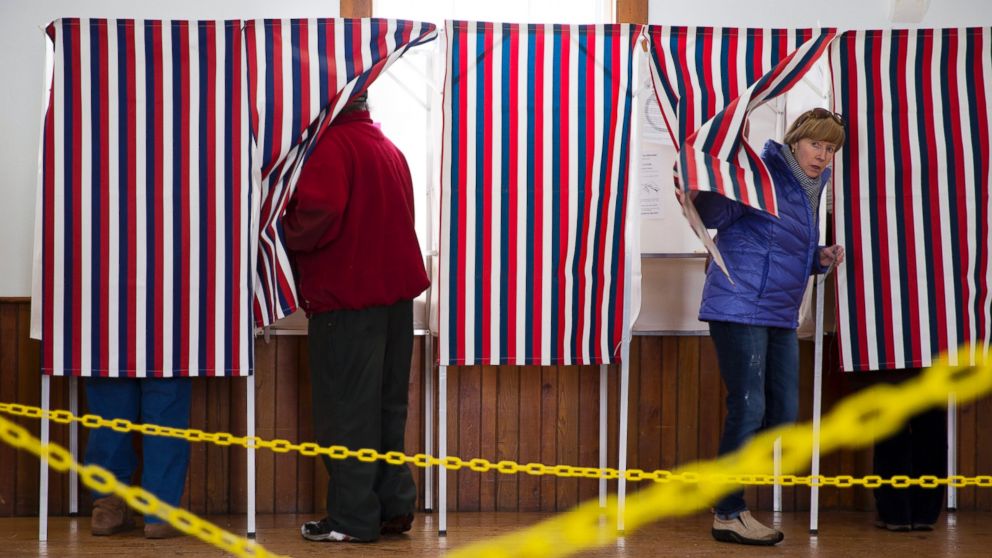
column 349, row 226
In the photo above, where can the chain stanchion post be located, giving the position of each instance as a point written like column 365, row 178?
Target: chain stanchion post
column 777, row 471
column 622, row 442
column 428, row 415
column 250, row 452
column 431, row 95
column 632, row 252
column 604, row 371
column 952, row 451
column 74, row 446
column 814, row 494
column 442, row 450
column 43, row 463
column 781, row 107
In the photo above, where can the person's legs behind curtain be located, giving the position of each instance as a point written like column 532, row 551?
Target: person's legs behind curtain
column 165, row 461
column 112, row 398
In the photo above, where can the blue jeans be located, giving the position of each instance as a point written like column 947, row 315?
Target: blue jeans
column 760, row 369
column 161, row 401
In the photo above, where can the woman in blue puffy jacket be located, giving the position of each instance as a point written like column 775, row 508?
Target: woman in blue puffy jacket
column 753, row 320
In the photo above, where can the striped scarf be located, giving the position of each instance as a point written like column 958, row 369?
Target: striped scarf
column 810, row 185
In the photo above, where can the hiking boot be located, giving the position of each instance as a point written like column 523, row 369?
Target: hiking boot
column 397, row 525
column 321, row 531
column 161, row 531
column 745, row 529
column 110, row 515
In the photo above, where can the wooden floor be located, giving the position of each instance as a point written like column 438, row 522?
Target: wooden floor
column 841, row 534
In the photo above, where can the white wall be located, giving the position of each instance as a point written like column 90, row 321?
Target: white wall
column 845, row 14
column 531, row 11
column 22, row 63
column 22, row 59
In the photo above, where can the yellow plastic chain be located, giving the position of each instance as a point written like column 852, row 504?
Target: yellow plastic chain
column 481, row 465
column 855, row 422
column 144, row 502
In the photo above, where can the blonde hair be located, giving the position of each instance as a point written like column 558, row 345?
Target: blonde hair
column 818, row 125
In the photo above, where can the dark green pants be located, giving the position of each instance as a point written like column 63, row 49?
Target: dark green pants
column 360, row 373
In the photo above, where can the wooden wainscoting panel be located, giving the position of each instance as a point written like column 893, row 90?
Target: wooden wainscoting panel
column 287, row 421
column 469, row 406
column 265, row 421
column 548, row 432
column 487, row 435
column 9, row 376
column 529, row 436
column 983, row 451
column 238, row 456
column 508, row 446
column 588, row 410
column 28, row 391
column 647, row 431
column 527, row 414
column 567, row 433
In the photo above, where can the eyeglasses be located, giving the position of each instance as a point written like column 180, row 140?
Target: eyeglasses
column 820, row 113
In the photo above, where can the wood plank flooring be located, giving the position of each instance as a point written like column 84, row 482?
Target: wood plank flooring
column 841, row 534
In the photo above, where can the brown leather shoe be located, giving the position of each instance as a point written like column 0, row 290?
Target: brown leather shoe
column 110, row 515
column 161, row 531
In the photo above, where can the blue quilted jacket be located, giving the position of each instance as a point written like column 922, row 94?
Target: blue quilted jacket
column 769, row 258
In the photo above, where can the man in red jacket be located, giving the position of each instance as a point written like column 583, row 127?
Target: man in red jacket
column 350, row 230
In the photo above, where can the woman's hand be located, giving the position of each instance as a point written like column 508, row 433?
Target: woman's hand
column 832, row 255
column 681, row 195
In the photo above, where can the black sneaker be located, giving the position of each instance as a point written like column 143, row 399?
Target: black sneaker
column 397, row 525
column 894, row 527
column 321, row 531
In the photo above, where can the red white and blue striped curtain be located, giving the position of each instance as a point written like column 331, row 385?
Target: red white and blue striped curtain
column 534, row 191
column 148, row 221
column 302, row 72
column 912, row 202
column 707, row 81
column 698, row 71
column 142, row 248
column 718, row 158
